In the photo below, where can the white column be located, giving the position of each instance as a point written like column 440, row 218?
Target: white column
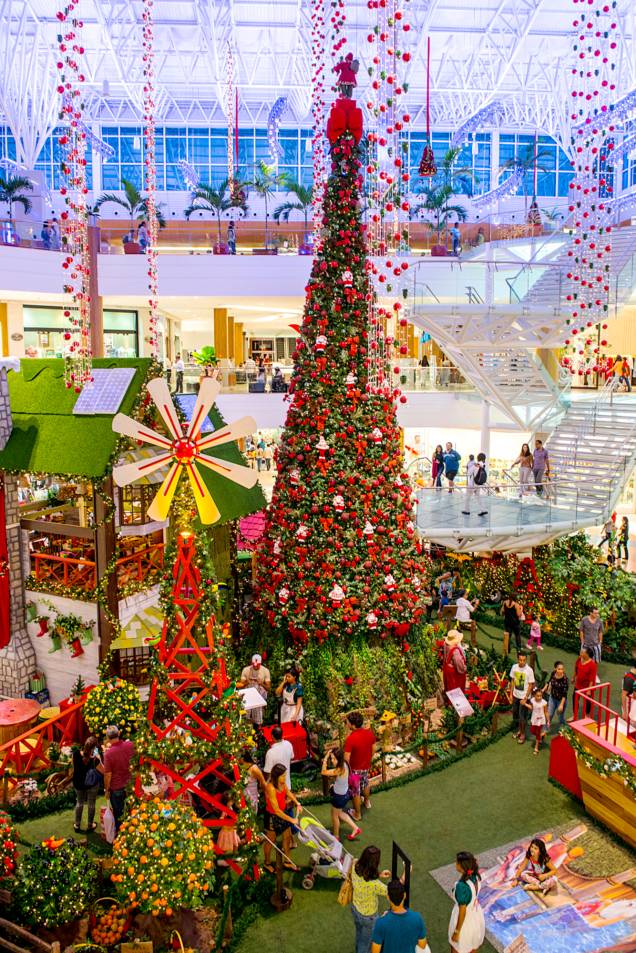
column 485, row 429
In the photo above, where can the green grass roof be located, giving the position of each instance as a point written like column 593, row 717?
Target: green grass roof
column 48, row 438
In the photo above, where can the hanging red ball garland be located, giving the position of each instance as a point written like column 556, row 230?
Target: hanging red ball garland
column 150, row 163
column 74, row 218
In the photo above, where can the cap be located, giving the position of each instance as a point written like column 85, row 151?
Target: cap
column 256, row 659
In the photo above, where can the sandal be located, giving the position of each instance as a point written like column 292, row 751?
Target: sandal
column 290, row 866
column 354, row 834
column 78, row 830
column 269, row 868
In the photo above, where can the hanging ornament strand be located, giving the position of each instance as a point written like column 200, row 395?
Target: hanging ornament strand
column 230, row 108
column 318, row 52
column 388, row 179
column 593, row 88
column 150, row 162
column 74, row 237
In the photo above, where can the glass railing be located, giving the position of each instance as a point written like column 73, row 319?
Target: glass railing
column 506, row 507
column 31, row 234
column 440, row 379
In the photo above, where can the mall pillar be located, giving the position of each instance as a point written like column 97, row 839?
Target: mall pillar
column 220, row 333
column 484, row 445
column 239, row 349
column 96, row 304
column 230, row 336
column 4, row 330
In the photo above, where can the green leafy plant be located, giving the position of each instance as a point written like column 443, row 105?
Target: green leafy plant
column 265, row 183
column 302, row 204
column 113, row 702
column 68, row 627
column 135, row 204
column 79, row 687
column 162, row 857
column 12, row 189
column 207, row 355
column 217, row 201
column 56, row 883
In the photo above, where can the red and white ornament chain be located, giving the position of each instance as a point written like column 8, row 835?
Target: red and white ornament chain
column 150, row 162
column 74, row 237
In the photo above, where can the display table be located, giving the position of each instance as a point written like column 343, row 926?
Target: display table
column 17, row 715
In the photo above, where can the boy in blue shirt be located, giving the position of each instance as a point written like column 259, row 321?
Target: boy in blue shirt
column 400, row 930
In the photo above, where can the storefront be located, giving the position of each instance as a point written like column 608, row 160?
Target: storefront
column 44, row 330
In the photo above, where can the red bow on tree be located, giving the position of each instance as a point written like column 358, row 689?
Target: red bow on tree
column 345, row 116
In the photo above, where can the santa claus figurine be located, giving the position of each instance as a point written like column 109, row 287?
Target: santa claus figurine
column 389, row 583
column 321, row 344
column 321, row 446
column 346, row 71
column 338, row 503
column 372, row 620
column 283, row 595
column 294, row 477
column 376, row 435
column 454, row 662
column 350, row 382
column 337, row 594
column 303, row 532
column 347, row 280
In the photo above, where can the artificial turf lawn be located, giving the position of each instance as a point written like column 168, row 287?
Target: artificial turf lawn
column 491, row 798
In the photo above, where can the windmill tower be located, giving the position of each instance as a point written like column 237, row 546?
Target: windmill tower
column 191, row 700
column 17, row 656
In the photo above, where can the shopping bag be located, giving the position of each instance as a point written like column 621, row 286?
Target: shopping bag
column 345, row 894
column 107, row 819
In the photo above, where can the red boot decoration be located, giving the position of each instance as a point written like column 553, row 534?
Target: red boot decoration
column 76, row 648
column 44, row 625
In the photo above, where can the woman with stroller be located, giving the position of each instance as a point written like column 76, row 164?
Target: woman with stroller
column 334, row 766
column 278, row 798
column 367, row 890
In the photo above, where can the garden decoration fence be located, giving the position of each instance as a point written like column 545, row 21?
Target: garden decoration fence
column 27, row 753
column 26, row 940
column 82, row 573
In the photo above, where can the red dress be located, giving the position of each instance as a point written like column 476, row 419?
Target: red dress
column 454, row 668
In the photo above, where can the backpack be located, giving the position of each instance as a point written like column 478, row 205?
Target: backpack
column 480, row 476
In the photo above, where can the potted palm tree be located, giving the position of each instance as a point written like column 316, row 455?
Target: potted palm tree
column 205, row 198
column 136, row 206
column 266, row 181
column 12, row 191
column 437, row 204
column 303, row 203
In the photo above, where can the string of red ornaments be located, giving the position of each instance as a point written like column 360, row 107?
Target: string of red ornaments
column 591, row 190
column 388, row 180
column 150, row 163
column 318, row 47
column 74, row 218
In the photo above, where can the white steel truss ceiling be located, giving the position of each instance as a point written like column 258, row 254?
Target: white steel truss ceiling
column 514, row 52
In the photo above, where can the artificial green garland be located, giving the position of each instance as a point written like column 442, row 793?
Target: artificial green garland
column 607, row 768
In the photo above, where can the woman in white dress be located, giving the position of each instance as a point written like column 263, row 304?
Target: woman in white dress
column 467, row 927
column 290, row 691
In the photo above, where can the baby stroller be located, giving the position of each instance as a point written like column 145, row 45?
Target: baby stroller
column 329, row 858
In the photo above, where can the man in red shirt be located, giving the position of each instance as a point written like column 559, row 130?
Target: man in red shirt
column 358, row 749
column 117, row 758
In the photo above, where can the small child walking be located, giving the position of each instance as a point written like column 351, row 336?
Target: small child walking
column 539, row 720
column 536, row 871
column 534, row 639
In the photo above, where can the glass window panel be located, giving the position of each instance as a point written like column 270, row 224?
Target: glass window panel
column 46, row 343
column 546, row 183
column 43, row 318
column 120, row 320
column 120, row 344
column 289, row 146
column 218, row 148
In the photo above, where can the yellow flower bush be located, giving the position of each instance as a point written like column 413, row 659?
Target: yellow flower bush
column 162, row 858
column 113, row 702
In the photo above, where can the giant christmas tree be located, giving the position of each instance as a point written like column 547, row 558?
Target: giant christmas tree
column 339, row 554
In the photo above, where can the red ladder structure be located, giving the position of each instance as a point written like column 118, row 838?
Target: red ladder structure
column 197, row 680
